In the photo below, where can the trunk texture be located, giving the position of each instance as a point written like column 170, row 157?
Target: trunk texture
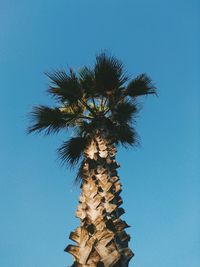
column 101, row 239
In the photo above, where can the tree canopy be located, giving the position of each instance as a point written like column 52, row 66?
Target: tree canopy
column 101, row 97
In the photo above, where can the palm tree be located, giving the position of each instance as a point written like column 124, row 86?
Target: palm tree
column 101, row 104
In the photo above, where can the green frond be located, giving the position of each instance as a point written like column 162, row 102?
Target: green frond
column 50, row 120
column 124, row 112
column 72, row 150
column 109, row 74
column 141, row 85
column 74, row 108
column 80, row 176
column 87, row 81
column 125, row 135
column 66, row 88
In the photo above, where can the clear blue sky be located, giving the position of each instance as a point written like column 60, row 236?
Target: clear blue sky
column 160, row 179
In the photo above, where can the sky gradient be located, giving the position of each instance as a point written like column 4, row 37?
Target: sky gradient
column 161, row 188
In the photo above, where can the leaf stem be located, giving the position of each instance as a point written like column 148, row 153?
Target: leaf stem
column 88, row 107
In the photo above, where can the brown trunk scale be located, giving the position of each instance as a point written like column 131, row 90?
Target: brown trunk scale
column 101, row 238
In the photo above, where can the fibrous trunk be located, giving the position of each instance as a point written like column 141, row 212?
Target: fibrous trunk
column 101, row 239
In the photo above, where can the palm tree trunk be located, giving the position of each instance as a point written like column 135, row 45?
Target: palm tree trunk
column 101, row 238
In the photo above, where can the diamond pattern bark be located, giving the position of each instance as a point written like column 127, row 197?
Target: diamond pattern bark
column 101, row 239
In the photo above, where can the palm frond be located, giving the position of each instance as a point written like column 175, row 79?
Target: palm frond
column 72, row 150
column 117, row 97
column 66, row 88
column 49, row 120
column 125, row 135
column 141, row 85
column 80, row 175
column 86, row 78
column 74, row 108
column 109, row 74
column 124, row 112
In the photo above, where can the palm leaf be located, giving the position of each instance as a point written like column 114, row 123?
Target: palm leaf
column 72, row 150
column 66, row 88
column 109, row 74
column 125, row 135
column 124, row 112
column 141, row 85
column 80, row 174
column 49, row 120
column 86, row 78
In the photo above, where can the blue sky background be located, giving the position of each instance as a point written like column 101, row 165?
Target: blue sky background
column 160, row 179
